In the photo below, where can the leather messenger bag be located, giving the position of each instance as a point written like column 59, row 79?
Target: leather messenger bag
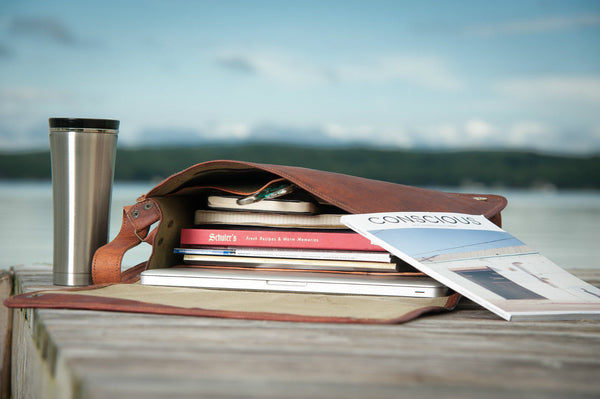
column 158, row 217
column 171, row 204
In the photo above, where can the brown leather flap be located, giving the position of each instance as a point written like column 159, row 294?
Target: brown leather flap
column 350, row 193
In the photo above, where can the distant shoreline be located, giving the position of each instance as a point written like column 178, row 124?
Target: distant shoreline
column 473, row 168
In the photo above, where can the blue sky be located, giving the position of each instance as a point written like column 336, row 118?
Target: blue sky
column 407, row 74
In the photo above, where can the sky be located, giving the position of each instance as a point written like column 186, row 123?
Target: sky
column 450, row 75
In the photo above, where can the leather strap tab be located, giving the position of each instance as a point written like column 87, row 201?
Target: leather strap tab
column 137, row 219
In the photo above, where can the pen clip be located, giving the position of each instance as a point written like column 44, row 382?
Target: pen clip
column 267, row 193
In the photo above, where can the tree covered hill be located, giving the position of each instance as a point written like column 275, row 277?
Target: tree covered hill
column 421, row 168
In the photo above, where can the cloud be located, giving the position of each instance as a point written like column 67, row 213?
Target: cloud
column 45, row 28
column 479, row 130
column 24, row 112
column 278, row 67
column 366, row 134
column 347, row 132
column 532, row 26
column 15, row 102
column 543, row 137
column 532, row 134
column 424, row 71
column 548, row 88
column 472, row 133
column 596, row 133
column 24, row 137
column 478, row 133
column 237, row 63
column 233, row 130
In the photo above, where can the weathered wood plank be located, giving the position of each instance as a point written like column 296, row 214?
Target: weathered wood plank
column 469, row 353
column 6, row 283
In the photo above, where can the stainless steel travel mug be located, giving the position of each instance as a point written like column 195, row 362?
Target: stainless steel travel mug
column 83, row 153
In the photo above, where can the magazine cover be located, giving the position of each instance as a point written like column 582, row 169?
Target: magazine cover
column 476, row 258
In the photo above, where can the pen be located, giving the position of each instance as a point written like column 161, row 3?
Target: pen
column 267, row 193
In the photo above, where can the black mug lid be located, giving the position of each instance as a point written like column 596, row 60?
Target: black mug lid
column 84, row 123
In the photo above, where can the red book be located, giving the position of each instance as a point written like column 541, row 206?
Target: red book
column 278, row 239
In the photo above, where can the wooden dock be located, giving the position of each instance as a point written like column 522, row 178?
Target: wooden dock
column 468, row 353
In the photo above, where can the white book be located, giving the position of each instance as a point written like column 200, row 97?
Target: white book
column 476, row 258
column 249, row 261
column 265, row 205
column 292, row 253
column 268, row 219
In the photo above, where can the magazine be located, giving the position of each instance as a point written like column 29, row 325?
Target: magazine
column 476, row 258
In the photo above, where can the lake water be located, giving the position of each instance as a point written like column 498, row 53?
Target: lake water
column 563, row 225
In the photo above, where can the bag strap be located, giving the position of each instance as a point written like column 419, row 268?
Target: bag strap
column 135, row 227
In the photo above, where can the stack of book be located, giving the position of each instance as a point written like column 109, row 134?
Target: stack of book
column 276, row 234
